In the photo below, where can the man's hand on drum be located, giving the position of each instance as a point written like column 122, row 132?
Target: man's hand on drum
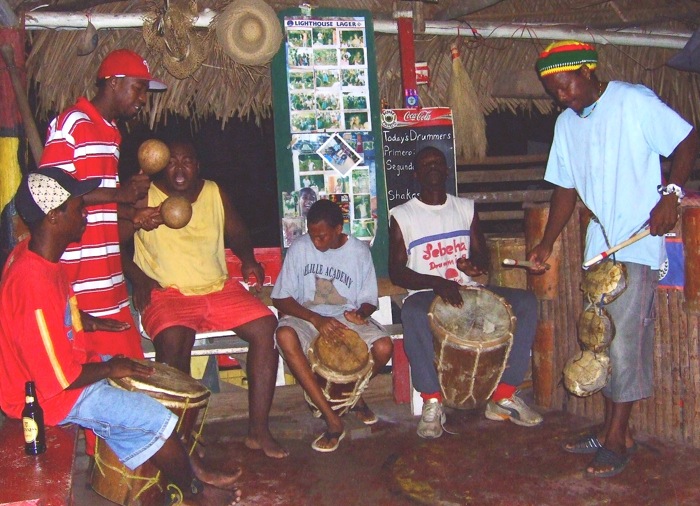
column 122, row 367
column 448, row 290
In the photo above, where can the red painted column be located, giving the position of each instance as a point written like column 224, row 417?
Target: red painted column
column 408, row 62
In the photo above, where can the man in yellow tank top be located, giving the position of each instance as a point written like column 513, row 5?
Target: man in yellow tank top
column 181, row 284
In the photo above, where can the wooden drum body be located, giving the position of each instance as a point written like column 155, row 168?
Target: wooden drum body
column 472, row 344
column 144, row 486
column 343, row 368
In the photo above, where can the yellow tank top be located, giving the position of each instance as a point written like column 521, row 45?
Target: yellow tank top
column 192, row 258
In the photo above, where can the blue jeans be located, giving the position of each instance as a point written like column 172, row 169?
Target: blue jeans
column 134, row 425
column 632, row 348
column 418, row 338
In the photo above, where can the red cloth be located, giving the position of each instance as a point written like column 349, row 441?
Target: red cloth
column 39, row 324
column 83, row 143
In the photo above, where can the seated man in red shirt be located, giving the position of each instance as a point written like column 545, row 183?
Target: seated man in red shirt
column 39, row 326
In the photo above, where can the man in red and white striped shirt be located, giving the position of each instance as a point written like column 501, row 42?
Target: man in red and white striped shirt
column 84, row 141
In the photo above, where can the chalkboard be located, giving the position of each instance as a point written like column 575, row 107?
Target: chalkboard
column 404, row 133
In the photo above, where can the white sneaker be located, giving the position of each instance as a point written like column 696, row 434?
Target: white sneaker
column 513, row 409
column 431, row 420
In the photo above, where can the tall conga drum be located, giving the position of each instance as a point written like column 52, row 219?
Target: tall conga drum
column 343, row 368
column 144, row 486
column 472, row 344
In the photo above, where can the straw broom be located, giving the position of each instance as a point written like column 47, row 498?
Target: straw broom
column 467, row 116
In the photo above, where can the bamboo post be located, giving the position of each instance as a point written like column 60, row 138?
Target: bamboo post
column 546, row 285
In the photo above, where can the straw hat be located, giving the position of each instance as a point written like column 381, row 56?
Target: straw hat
column 249, row 32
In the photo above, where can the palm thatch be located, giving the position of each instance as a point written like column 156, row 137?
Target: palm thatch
column 222, row 89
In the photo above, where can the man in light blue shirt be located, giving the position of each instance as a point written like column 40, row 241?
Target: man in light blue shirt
column 606, row 150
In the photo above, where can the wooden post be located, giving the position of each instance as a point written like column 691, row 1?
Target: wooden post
column 546, row 285
column 690, row 222
column 543, row 364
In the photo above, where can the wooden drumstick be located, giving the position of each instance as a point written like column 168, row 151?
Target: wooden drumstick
column 617, row 247
column 522, row 263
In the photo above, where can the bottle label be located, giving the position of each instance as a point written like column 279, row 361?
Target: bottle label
column 29, row 399
column 31, row 430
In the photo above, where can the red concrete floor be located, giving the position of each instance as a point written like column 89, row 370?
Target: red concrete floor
column 490, row 463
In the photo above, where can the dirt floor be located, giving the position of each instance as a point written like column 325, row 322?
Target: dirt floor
column 488, row 463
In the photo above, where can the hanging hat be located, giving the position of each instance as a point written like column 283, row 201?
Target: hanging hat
column 249, row 32
column 46, row 190
column 566, row 56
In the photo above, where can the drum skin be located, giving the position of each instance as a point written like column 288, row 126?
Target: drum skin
column 472, row 344
column 144, row 486
column 343, row 368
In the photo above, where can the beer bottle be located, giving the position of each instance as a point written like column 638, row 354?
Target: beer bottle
column 33, row 422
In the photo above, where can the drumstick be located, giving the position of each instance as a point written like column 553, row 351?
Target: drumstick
column 617, row 247
column 522, row 263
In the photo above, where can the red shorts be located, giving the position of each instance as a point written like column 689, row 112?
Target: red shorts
column 227, row 309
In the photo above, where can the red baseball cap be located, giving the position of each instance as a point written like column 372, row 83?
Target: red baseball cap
column 126, row 63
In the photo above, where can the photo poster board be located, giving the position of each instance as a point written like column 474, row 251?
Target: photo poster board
column 404, row 133
column 325, row 99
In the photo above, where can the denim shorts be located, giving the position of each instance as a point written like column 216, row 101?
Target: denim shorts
column 134, row 425
column 306, row 332
column 632, row 348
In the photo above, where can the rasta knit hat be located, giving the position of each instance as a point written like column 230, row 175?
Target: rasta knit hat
column 566, row 56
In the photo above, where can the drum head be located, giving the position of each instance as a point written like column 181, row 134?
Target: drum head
column 166, row 382
column 484, row 317
column 346, row 355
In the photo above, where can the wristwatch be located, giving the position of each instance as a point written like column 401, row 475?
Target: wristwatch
column 671, row 189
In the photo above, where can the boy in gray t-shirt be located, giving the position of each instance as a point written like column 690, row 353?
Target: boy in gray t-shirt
column 327, row 285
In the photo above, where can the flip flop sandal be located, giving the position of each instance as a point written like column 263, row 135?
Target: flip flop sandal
column 364, row 414
column 587, row 444
column 608, row 458
column 591, row 444
column 338, row 436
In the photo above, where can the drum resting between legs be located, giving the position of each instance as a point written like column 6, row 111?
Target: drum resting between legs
column 435, row 247
column 328, row 286
column 40, row 325
column 182, row 286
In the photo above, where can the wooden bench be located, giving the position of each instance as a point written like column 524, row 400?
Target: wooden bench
column 43, row 479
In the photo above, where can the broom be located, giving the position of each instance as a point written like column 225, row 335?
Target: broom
column 467, row 116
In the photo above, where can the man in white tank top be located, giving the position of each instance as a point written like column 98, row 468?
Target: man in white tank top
column 435, row 247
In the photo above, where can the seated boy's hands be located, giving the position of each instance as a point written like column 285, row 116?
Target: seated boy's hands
column 328, row 326
column 355, row 317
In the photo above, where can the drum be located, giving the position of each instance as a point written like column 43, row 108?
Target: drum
column 343, row 368
column 472, row 344
column 144, row 486
column 586, row 373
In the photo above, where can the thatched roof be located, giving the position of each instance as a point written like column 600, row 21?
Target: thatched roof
column 223, row 89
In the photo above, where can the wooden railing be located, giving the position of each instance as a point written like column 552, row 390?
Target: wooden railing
column 500, row 185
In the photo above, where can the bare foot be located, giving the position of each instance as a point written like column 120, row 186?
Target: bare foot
column 268, row 445
column 215, row 478
column 213, row 496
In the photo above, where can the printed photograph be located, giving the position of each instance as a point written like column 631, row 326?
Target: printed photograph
column 339, row 155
